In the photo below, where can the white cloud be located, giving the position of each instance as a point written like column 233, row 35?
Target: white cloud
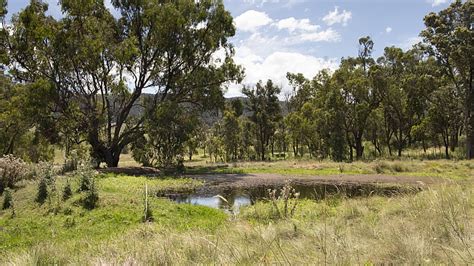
column 275, row 66
column 438, row 2
column 388, row 29
column 328, row 35
column 252, row 20
column 334, row 17
column 292, row 24
column 274, row 47
column 285, row 3
column 408, row 43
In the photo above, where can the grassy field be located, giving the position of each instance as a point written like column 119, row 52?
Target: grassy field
column 433, row 226
column 434, row 168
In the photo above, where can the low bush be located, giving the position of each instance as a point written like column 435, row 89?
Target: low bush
column 12, row 170
column 91, row 196
column 86, row 176
column 67, row 191
column 7, row 200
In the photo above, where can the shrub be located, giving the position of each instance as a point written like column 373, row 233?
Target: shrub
column 67, row 191
column 167, row 131
column 7, row 200
column 44, row 170
column 42, row 191
column 91, row 197
column 85, row 179
column 12, row 170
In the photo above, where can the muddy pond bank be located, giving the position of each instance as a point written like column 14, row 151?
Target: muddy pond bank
column 232, row 192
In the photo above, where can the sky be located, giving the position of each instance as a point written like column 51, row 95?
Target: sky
column 305, row 36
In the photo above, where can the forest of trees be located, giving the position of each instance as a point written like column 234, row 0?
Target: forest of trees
column 74, row 82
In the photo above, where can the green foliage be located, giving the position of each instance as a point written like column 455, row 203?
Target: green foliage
column 215, row 143
column 237, row 107
column 86, row 177
column 264, row 105
column 91, row 198
column 25, row 130
column 42, row 192
column 167, row 131
column 87, row 42
column 67, row 191
column 231, row 135
column 7, row 200
column 450, row 38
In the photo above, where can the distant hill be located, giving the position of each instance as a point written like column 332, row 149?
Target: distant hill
column 209, row 117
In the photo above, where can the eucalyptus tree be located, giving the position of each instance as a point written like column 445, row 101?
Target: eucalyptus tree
column 410, row 78
column 265, row 111
column 450, row 38
column 167, row 131
column 445, row 116
column 25, row 128
column 101, row 65
column 231, row 135
column 360, row 96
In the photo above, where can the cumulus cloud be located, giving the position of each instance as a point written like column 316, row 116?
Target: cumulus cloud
column 285, row 3
column 438, row 2
column 292, row 24
column 328, row 35
column 252, row 20
column 274, row 47
column 336, row 17
column 408, row 43
column 275, row 66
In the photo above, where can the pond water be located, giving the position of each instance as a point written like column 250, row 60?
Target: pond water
column 234, row 198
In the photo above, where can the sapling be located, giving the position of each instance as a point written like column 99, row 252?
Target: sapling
column 7, row 200
column 67, row 191
column 92, row 196
column 42, row 191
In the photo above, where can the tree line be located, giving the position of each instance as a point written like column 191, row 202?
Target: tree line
column 76, row 80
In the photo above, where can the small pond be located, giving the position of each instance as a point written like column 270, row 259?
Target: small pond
column 236, row 197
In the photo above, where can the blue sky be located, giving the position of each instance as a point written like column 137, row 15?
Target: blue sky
column 279, row 36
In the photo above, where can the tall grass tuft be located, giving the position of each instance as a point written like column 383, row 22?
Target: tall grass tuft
column 284, row 201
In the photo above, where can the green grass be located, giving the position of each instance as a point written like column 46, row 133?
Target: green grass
column 120, row 209
column 437, row 168
column 435, row 226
